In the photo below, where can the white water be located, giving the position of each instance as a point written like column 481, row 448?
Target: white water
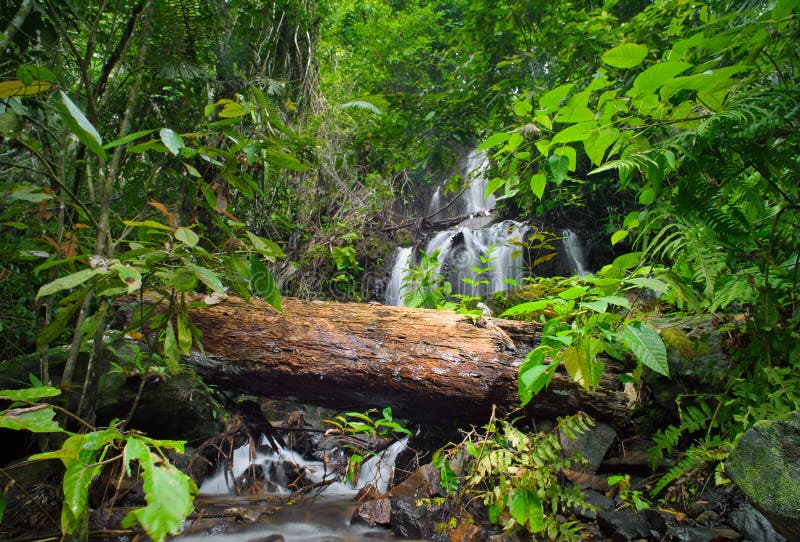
column 574, row 251
column 395, row 292
column 436, row 202
column 493, row 255
column 474, row 197
column 377, row 470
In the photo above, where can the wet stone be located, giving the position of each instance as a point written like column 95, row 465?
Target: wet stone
column 376, row 512
column 413, row 517
column 685, row 533
column 468, row 532
column 753, row 525
column 623, row 525
column 591, row 445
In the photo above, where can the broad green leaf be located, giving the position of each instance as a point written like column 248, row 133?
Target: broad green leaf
column 646, row 345
column 596, row 305
column 171, row 140
column 77, row 478
column 74, row 118
column 576, row 109
column 494, row 140
column 577, row 132
column 128, row 138
column 30, row 394
column 184, row 334
column 36, row 419
column 627, row 55
column 552, row 99
column 29, row 74
column 231, row 109
column 138, row 450
column 70, row 281
column 559, row 167
column 618, row 236
column 573, row 293
column 184, row 280
column 267, row 248
column 570, row 153
column 172, row 353
column 534, row 375
column 598, row 142
column 628, row 261
column 522, row 108
column 538, row 183
column 32, row 194
column 618, row 300
column 658, row 74
column 527, row 509
column 263, row 284
column 647, row 196
column 187, row 236
column 147, row 224
column 14, row 89
column 129, row 275
column 285, row 161
column 526, row 308
column 207, row 277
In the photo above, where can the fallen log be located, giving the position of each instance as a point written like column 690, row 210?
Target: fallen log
column 428, row 365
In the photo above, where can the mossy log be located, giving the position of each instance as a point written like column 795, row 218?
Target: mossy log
column 428, row 365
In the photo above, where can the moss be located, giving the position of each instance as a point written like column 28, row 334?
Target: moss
column 678, row 340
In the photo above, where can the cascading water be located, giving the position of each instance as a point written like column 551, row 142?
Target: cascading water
column 395, row 292
column 574, row 251
column 474, row 197
column 490, row 259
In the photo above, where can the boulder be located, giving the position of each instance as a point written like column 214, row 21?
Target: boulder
column 375, row 512
column 765, row 464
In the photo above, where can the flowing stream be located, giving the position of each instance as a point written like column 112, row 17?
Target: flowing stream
column 320, row 519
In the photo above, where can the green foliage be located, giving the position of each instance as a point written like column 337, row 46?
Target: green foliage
column 168, row 492
column 517, row 476
column 424, row 287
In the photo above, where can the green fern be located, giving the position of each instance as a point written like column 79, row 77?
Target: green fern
column 694, row 418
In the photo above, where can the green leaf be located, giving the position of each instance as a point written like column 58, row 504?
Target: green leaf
column 2, row 505
column 658, row 74
column 573, row 293
column 628, row 261
column 263, row 284
column 14, row 89
column 36, row 419
column 522, row 108
column 207, row 277
column 627, row 55
column 618, row 236
column 534, row 375
column 552, row 99
column 187, row 237
column 128, row 138
column 571, row 155
column 77, row 478
column 577, row 132
column 647, row 346
column 29, row 73
column 171, row 140
column 538, row 183
column 30, row 394
column 598, row 142
column 618, row 300
column 559, row 166
column 576, row 109
column 527, row 509
column 70, row 281
column 268, row 248
column 494, row 140
column 184, row 334
column 29, row 193
column 169, row 495
column 172, row 354
column 147, row 224
column 81, row 127
column 526, row 308
column 285, row 161
column 596, row 305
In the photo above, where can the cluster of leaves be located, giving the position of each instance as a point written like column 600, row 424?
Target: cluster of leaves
column 168, row 491
column 517, row 475
column 365, row 424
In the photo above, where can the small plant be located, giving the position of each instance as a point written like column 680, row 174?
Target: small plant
column 517, row 475
column 424, row 287
column 169, row 493
column 365, row 424
column 632, row 497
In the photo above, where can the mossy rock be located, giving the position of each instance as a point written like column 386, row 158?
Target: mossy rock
column 765, row 464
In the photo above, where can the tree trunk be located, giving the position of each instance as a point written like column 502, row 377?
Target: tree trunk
column 430, row 366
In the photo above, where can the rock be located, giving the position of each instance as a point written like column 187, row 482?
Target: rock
column 413, row 517
column 765, row 464
column 623, row 525
column 468, row 532
column 753, row 525
column 685, row 533
column 367, row 493
column 598, row 503
column 656, row 520
column 591, row 445
column 375, row 512
column 515, row 536
column 424, row 483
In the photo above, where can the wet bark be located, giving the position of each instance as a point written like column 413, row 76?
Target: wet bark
column 430, row 366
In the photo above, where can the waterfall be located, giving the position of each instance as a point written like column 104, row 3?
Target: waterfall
column 474, row 197
column 436, row 202
column 394, row 290
column 574, row 251
column 490, row 259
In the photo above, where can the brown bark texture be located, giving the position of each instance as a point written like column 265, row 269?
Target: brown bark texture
column 430, row 366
